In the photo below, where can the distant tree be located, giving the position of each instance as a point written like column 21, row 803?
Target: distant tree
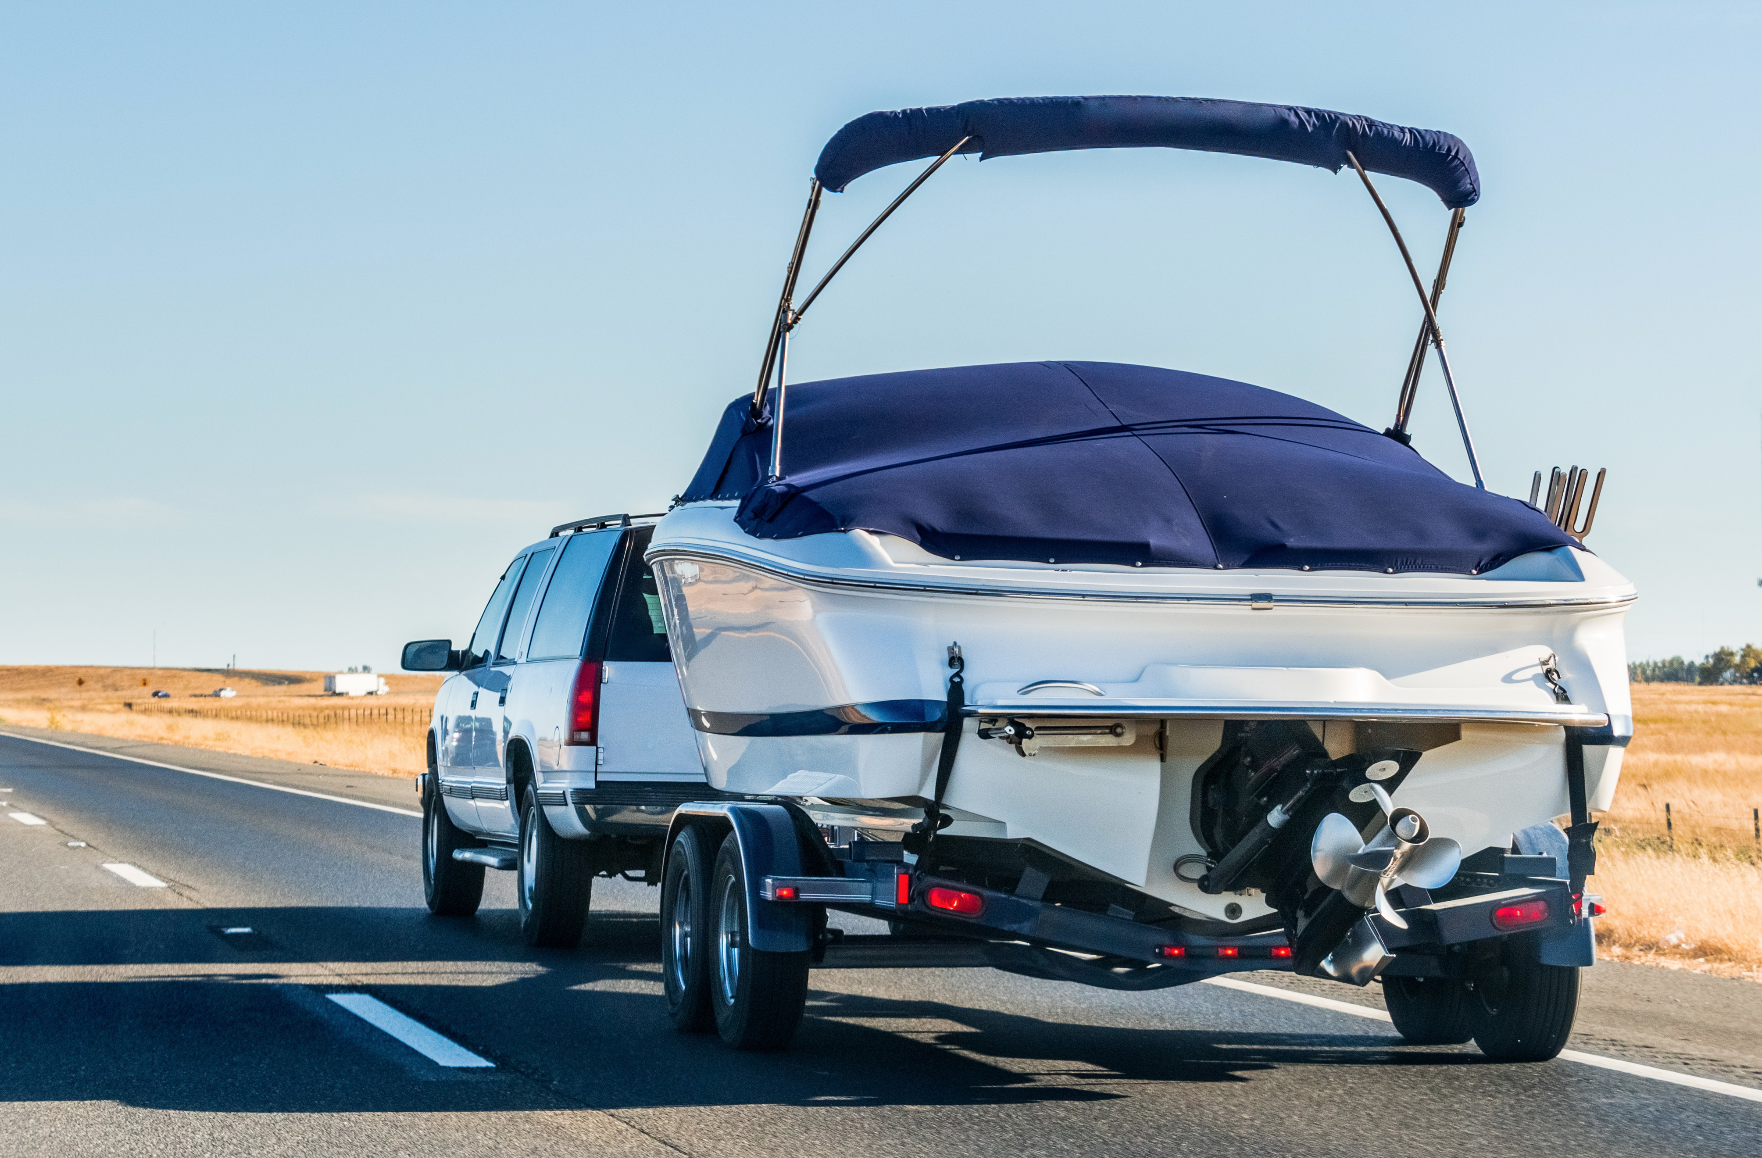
column 1749, row 665
column 1719, row 667
column 1675, row 670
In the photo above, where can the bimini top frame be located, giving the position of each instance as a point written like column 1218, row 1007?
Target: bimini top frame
column 1016, row 126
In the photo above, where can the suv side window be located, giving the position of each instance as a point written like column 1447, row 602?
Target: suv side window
column 489, row 626
column 639, row 633
column 535, row 570
column 561, row 630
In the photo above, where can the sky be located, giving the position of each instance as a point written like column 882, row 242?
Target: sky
column 311, row 315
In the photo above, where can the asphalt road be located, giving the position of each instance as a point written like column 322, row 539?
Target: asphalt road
column 130, row 1024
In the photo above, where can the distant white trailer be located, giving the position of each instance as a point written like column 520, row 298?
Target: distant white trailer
column 353, row 683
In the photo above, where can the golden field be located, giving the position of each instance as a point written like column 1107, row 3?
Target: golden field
column 1692, row 898
column 283, row 715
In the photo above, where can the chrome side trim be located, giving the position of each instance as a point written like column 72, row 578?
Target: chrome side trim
column 813, row 579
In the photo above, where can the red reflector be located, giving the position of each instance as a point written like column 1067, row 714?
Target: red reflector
column 954, row 901
column 1517, row 916
column 584, row 704
column 1598, row 908
column 1172, row 951
column 1228, row 951
column 786, row 893
column 902, row 890
column 1281, row 950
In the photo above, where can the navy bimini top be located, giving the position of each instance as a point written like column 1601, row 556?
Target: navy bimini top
column 1097, row 462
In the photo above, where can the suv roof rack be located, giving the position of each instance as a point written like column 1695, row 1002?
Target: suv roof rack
column 598, row 521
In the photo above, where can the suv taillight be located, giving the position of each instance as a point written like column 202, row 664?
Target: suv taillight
column 584, row 704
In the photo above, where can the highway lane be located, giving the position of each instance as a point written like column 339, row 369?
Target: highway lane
column 129, row 1024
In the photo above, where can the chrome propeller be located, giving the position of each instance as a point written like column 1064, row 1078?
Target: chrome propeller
column 1402, row 852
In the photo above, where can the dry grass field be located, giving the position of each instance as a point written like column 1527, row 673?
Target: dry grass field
column 284, row 715
column 1688, row 894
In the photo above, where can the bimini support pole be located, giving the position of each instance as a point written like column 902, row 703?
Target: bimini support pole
column 1416, row 363
column 788, row 315
column 779, row 322
column 1431, row 322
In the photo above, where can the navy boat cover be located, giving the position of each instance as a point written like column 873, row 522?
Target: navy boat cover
column 1017, row 125
column 1098, row 462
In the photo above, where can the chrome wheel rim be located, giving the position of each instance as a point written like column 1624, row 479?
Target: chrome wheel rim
column 528, row 857
column 431, row 836
column 679, row 933
column 728, row 940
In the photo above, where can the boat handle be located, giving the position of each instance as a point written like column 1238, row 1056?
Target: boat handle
column 1082, row 687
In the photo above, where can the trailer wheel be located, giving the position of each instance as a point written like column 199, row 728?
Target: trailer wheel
column 685, row 933
column 452, row 888
column 1525, row 1008
column 1430, row 1010
column 757, row 997
column 553, row 880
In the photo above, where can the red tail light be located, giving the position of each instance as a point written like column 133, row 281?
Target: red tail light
column 785, row 893
column 1598, row 908
column 1281, row 950
column 584, row 705
column 902, row 890
column 1228, row 951
column 955, row 901
column 1519, row 915
column 1172, row 951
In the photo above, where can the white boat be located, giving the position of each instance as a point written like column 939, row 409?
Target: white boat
column 1155, row 707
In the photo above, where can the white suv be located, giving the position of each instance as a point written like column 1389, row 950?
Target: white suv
column 562, row 746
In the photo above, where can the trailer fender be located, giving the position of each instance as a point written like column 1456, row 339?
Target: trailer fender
column 766, row 837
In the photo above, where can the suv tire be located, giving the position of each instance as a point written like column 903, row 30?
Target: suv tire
column 1430, row 1010
column 757, row 997
column 553, row 880
column 1525, row 1009
column 685, row 932
column 452, row 888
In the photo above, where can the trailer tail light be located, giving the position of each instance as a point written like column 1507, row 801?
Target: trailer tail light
column 1583, row 906
column 784, row 893
column 902, row 890
column 1519, row 915
column 1228, row 951
column 955, row 901
column 584, row 704
column 1281, row 950
column 1172, row 951
column 1595, row 908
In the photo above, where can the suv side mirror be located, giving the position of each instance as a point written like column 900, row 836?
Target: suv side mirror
column 431, row 655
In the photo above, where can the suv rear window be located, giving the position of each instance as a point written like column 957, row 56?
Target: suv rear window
column 639, row 634
column 562, row 618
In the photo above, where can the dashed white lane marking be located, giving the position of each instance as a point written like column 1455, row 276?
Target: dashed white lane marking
column 26, row 818
column 218, row 776
column 135, row 876
column 411, row 1032
column 1573, row 1055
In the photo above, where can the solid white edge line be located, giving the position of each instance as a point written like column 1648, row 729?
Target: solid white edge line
column 219, row 776
column 137, row 877
column 1573, row 1055
column 425, row 1041
column 26, row 818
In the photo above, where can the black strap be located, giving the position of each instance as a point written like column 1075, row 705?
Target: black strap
column 924, row 832
column 1581, row 848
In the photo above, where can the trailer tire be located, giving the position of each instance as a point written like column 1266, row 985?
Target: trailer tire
column 452, row 888
column 757, row 997
column 1525, row 1008
column 685, row 937
column 553, row 880
column 1430, row 1010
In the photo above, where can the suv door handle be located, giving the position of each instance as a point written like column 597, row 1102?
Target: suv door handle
column 474, row 701
column 502, row 700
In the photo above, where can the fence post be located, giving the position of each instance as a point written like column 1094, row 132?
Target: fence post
column 1756, row 820
column 1669, row 829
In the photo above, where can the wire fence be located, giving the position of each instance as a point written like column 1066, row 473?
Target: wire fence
column 1684, row 829
column 409, row 715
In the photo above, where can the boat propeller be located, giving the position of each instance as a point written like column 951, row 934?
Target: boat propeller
column 1403, row 852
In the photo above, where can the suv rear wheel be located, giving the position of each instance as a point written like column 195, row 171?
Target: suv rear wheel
column 553, row 880
column 452, row 888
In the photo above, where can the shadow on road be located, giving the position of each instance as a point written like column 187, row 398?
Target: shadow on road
column 236, row 1033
